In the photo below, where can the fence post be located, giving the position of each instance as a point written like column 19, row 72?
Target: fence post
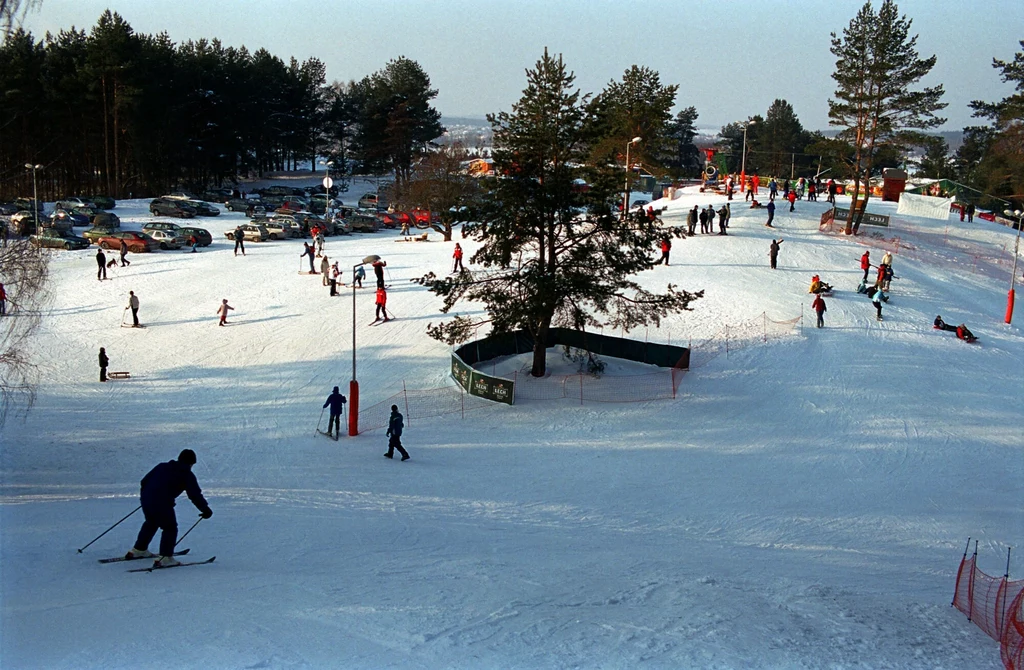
column 462, row 397
column 970, row 584
column 765, row 315
column 405, row 395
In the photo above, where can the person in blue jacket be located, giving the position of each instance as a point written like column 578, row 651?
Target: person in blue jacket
column 336, row 401
column 160, row 487
column 395, row 424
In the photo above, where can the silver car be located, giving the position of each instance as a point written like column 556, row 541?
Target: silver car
column 167, row 239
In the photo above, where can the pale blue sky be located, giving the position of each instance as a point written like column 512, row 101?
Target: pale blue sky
column 730, row 59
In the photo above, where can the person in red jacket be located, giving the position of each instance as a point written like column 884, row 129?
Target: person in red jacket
column 382, row 300
column 756, row 182
column 792, row 200
column 666, row 247
column 819, row 308
column 865, row 264
column 881, row 275
column 457, row 266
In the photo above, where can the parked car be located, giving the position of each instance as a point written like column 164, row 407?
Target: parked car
column 363, row 223
column 217, row 195
column 96, row 233
column 372, row 201
column 88, row 211
column 137, row 242
column 280, row 190
column 388, row 220
column 404, row 219
column 72, row 219
column 167, row 239
column 23, row 222
column 103, row 201
column 8, row 208
column 106, row 220
column 179, row 195
column 171, row 207
column 70, row 203
column 251, row 232
column 204, row 208
column 203, row 236
column 161, row 225
column 53, row 238
column 421, row 218
column 28, row 203
column 62, row 222
column 281, row 226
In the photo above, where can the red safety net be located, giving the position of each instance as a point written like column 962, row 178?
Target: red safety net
column 993, row 604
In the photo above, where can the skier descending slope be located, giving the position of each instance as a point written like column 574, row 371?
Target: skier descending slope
column 160, row 487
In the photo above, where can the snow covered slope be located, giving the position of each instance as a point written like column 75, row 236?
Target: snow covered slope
column 802, row 503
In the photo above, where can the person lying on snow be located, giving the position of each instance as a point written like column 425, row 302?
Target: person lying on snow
column 818, row 286
column 964, row 334
column 942, row 325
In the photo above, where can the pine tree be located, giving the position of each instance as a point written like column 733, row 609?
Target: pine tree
column 681, row 152
column 936, row 162
column 1001, row 170
column 778, row 137
column 552, row 253
column 877, row 68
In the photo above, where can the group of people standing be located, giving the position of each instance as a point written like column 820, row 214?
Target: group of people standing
column 706, row 218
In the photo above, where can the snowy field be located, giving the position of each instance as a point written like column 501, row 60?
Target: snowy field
column 802, row 503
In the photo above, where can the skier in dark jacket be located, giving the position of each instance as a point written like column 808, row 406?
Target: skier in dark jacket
column 104, row 362
column 395, row 433
column 336, row 401
column 773, row 252
column 239, row 240
column 160, row 487
column 124, row 253
column 308, row 251
column 771, row 213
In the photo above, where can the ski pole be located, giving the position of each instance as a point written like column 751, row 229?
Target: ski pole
column 111, row 528
column 319, row 420
column 189, row 530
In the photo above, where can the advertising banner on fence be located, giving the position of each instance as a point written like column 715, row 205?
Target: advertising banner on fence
column 842, row 214
column 927, row 206
column 477, row 383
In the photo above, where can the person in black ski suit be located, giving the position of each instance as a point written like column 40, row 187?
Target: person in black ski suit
column 101, row 263
column 336, row 401
column 395, row 433
column 124, row 252
column 104, row 362
column 773, row 252
column 160, row 487
column 378, row 271
column 239, row 240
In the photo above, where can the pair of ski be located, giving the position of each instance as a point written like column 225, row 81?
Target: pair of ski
column 118, row 559
column 327, row 434
column 377, row 322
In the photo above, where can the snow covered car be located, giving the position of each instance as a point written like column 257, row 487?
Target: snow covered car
column 251, row 232
column 137, row 242
column 167, row 239
column 53, row 238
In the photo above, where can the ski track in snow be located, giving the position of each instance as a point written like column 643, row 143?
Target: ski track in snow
column 801, row 504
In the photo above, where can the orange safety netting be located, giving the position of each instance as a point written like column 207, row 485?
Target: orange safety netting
column 995, row 606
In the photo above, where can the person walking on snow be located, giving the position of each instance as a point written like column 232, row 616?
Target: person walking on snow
column 160, row 487
column 325, row 269
column 239, row 240
column 773, row 189
column 133, row 304
column 865, row 264
column 378, row 271
column 395, row 426
column 878, row 298
column 104, row 363
column 223, row 310
column 771, row 213
column 358, row 275
column 457, row 265
column 3, row 300
column 723, row 219
column 666, row 247
column 756, row 181
column 336, row 402
column 319, row 242
column 101, row 265
column 124, row 253
column 792, row 201
column 381, row 301
column 819, row 308
column 308, row 251
column 773, row 252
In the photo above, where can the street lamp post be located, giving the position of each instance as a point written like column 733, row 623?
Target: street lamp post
column 625, row 195
column 353, row 386
column 1019, row 215
column 743, row 165
column 35, row 193
column 328, row 183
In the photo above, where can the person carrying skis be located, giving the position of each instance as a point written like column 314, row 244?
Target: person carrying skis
column 358, row 275
column 773, row 252
column 381, row 301
column 133, row 304
column 666, row 247
column 865, row 264
column 325, row 269
column 124, row 253
column 104, row 363
column 336, row 402
column 378, row 271
column 223, row 310
column 308, row 251
column 160, row 487
column 101, row 263
column 395, row 426
column 819, row 308
column 457, row 265
column 239, row 240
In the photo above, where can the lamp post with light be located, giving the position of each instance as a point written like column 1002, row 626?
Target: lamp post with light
column 353, row 386
column 328, row 183
column 1019, row 215
column 743, row 164
column 625, row 195
column 35, row 193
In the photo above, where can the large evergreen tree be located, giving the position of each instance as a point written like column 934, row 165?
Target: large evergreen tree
column 1001, row 171
column 778, row 138
column 681, row 153
column 553, row 254
column 876, row 102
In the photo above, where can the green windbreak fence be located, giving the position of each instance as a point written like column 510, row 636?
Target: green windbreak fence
column 519, row 342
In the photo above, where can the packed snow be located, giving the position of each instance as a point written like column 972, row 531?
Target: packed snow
column 802, row 503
